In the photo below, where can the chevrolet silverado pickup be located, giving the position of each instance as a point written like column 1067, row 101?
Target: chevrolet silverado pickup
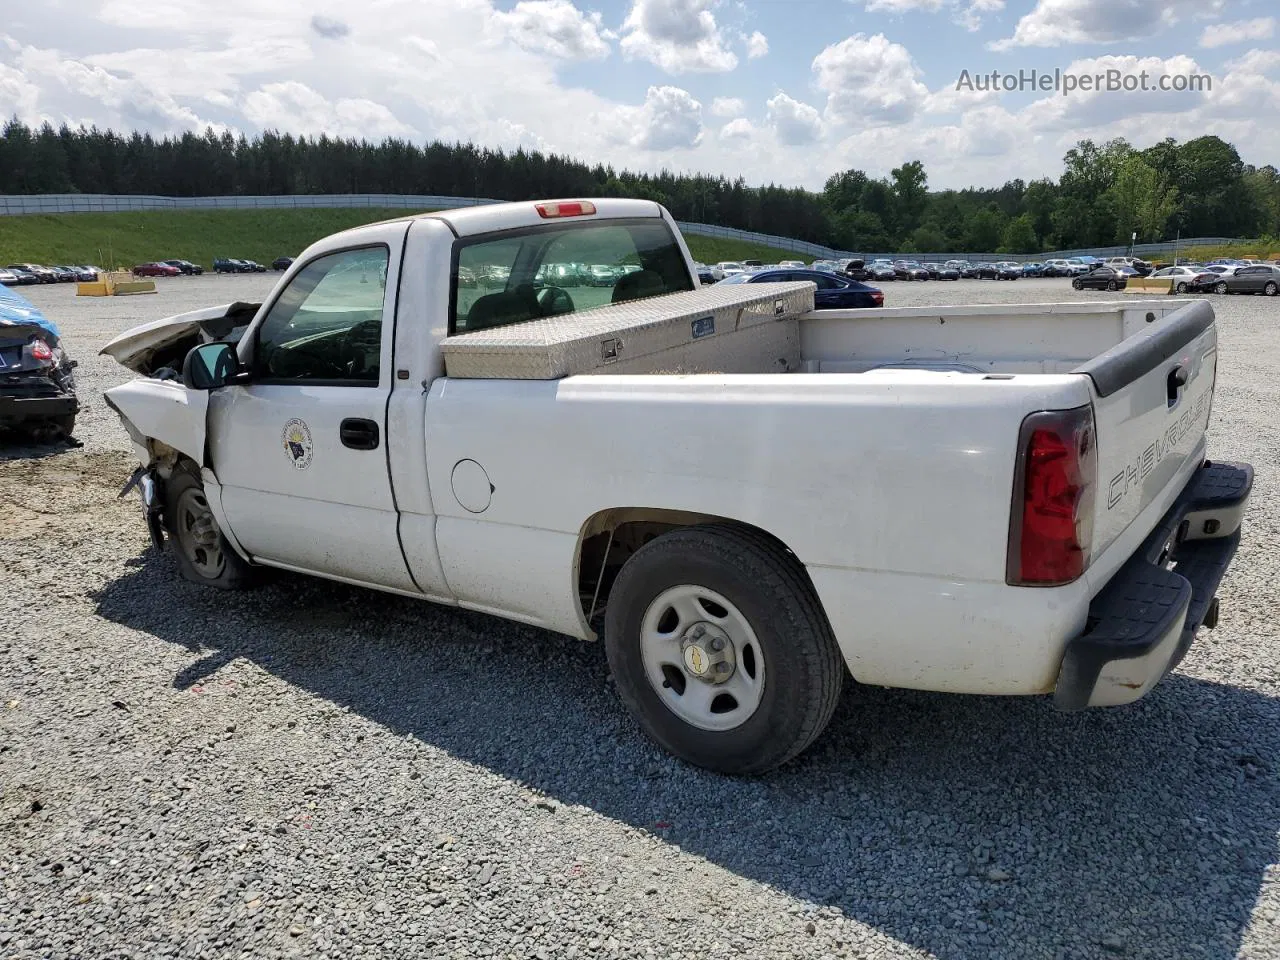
column 747, row 500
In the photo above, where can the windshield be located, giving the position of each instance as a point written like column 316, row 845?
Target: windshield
column 535, row 273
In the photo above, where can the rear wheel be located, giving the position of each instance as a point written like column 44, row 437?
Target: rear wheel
column 1077, row 285
column 1182, row 288
column 1112, row 286
column 1220, row 287
column 203, row 553
column 721, row 650
column 1271, row 289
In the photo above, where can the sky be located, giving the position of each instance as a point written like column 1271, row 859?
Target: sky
column 774, row 91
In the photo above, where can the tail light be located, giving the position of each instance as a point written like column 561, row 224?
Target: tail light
column 877, row 297
column 1055, row 482
column 40, row 351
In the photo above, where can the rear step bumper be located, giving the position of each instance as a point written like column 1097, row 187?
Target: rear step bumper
column 1143, row 622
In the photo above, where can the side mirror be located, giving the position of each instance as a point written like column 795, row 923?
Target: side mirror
column 209, row 366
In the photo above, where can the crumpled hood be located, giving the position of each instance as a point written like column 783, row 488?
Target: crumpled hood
column 161, row 342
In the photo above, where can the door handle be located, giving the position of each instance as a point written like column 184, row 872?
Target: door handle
column 1177, row 380
column 358, row 433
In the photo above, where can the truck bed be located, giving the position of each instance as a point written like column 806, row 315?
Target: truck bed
column 772, row 328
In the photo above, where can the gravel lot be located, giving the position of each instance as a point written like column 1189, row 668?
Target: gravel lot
column 313, row 770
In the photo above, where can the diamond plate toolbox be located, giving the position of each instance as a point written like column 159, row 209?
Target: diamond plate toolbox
column 735, row 328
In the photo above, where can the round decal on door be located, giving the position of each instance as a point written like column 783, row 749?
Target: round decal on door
column 471, row 486
column 297, row 443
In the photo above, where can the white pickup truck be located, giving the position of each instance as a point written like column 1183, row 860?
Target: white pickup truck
column 532, row 410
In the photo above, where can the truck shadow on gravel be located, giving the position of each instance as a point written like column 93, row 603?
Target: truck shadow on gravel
column 962, row 826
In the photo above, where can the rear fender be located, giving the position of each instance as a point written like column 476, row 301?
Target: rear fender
column 162, row 412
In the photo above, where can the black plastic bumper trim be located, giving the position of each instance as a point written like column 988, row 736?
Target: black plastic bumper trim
column 17, row 409
column 1145, row 600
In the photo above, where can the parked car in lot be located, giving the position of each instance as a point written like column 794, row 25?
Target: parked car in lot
column 946, row 271
column 1140, row 267
column 792, row 265
column 39, row 273
column 186, row 267
column 1008, row 270
column 1257, row 279
column 8, row 277
column 1185, row 279
column 156, row 270
column 1056, row 267
column 818, row 503
column 84, row 273
column 228, row 265
column 909, row 270
column 254, row 266
column 705, row 276
column 37, row 378
column 1101, row 278
column 282, row 263
column 855, row 269
column 63, row 274
column 727, row 268
column 835, row 292
column 1032, row 269
column 881, row 271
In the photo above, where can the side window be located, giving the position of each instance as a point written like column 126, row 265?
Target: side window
column 327, row 324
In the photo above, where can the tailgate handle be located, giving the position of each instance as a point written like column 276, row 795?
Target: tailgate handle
column 1177, row 380
column 358, row 434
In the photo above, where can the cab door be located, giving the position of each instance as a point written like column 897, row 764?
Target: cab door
column 299, row 449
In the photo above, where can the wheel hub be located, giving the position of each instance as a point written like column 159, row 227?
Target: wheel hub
column 707, row 652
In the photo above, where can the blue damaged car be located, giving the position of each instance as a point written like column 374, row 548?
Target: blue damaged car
column 37, row 379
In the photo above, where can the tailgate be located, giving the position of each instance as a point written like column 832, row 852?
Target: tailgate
column 1153, row 393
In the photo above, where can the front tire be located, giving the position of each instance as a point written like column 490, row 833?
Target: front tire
column 1182, row 288
column 1112, row 286
column 203, row 553
column 721, row 650
column 1077, row 285
column 1220, row 287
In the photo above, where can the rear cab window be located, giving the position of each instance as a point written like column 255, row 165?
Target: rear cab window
column 562, row 268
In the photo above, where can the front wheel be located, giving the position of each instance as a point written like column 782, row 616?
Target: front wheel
column 1220, row 287
column 721, row 650
column 203, row 553
column 1112, row 286
column 1077, row 285
column 1182, row 288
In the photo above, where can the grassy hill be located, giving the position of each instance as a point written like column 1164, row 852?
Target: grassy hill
column 124, row 239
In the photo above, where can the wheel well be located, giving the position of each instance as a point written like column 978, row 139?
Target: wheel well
column 610, row 537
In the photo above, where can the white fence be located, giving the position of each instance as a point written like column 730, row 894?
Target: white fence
column 22, row 204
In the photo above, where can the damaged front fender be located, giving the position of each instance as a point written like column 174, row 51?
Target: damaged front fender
column 164, row 412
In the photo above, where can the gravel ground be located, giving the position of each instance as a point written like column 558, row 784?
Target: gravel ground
column 313, row 770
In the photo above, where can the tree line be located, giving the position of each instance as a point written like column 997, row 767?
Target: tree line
column 1107, row 192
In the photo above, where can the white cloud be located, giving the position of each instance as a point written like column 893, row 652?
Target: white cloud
column 670, row 119
column 1054, row 23
column 869, row 80
column 904, row 6
column 727, row 106
column 296, row 108
column 556, row 27
column 793, row 122
column 1241, row 31
column 680, row 36
column 740, row 129
column 1256, row 61
column 1101, row 107
column 757, row 45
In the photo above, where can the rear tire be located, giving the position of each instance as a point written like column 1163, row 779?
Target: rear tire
column 1220, row 287
column 1077, row 285
column 782, row 668
column 1182, row 288
column 203, row 553
column 1271, row 289
column 1112, row 286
